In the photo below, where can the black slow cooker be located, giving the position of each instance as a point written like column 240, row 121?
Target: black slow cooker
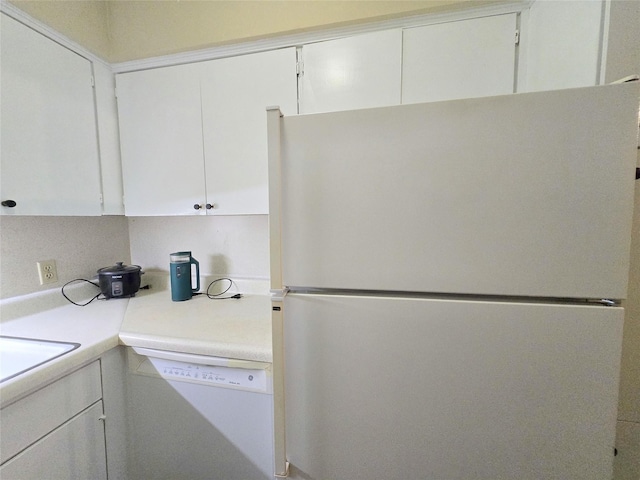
column 120, row 280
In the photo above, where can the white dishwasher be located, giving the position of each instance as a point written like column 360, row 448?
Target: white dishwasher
column 199, row 417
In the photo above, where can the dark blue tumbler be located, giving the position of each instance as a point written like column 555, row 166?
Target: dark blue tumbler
column 180, row 268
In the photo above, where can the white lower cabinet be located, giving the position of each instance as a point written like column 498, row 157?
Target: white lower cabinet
column 56, row 432
column 74, row 450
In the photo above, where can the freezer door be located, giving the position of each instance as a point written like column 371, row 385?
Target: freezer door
column 527, row 194
column 413, row 389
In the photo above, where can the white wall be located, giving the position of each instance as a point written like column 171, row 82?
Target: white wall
column 622, row 59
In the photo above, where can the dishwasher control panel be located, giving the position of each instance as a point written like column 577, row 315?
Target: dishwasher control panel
column 252, row 379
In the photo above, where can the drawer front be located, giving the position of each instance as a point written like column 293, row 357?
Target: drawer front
column 73, row 451
column 24, row 422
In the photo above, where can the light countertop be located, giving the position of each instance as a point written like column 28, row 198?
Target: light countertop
column 95, row 327
column 231, row 328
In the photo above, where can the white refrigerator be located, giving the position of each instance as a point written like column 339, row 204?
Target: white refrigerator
column 446, row 284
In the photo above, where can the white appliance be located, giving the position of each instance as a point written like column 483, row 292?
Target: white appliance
column 199, row 417
column 446, row 280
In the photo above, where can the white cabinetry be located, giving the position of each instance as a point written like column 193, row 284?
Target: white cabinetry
column 193, row 137
column 75, row 450
column 561, row 45
column 109, row 142
column 362, row 71
column 463, row 59
column 56, row 432
column 235, row 94
column 50, row 163
column 161, row 140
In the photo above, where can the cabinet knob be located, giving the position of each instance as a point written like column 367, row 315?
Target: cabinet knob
column 210, row 206
column 197, row 207
column 9, row 203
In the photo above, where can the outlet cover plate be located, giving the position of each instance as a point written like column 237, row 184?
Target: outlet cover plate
column 47, row 271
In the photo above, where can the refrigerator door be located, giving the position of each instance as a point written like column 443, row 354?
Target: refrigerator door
column 410, row 388
column 528, row 194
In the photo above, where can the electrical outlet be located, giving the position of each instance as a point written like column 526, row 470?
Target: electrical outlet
column 47, row 271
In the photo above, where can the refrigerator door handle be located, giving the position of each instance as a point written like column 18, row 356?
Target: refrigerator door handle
column 278, row 294
column 608, row 302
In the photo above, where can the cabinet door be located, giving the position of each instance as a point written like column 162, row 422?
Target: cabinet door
column 109, row 142
column 349, row 73
column 49, row 146
column 235, row 94
column 562, row 45
column 73, row 451
column 470, row 58
column 161, row 140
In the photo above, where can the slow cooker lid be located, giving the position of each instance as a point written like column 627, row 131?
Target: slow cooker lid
column 120, row 268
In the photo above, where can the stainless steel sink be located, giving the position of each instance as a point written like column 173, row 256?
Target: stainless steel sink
column 19, row 355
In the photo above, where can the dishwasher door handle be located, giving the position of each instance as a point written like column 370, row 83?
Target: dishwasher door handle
column 201, row 359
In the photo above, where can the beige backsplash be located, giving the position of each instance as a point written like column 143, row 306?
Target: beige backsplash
column 79, row 245
column 236, row 246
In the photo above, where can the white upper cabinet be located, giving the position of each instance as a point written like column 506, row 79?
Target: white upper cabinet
column 50, row 163
column 350, row 73
column 161, row 140
column 235, row 94
column 561, row 45
column 462, row 59
column 109, row 142
column 193, row 137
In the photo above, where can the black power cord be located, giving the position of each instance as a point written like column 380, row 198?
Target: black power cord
column 211, row 296
column 82, row 280
column 218, row 296
column 97, row 297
